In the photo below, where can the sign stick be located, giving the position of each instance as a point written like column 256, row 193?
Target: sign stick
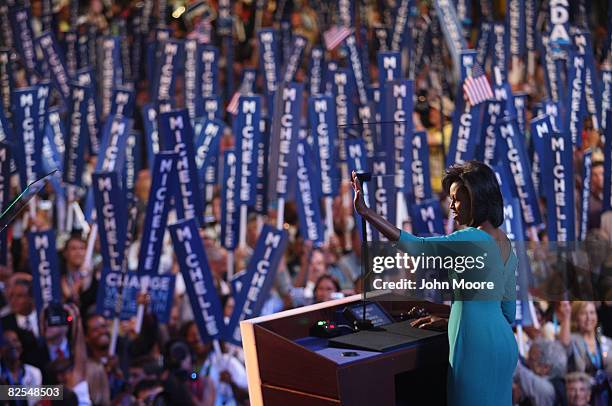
column 60, row 208
column 531, row 58
column 401, row 210
column 329, row 221
column 230, row 265
column 519, row 334
column 144, row 287
column 280, row 215
column 80, row 217
column 70, row 214
column 243, row 226
column 131, row 226
column 91, row 241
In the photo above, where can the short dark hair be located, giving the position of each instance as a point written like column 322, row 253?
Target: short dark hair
column 328, row 277
column 481, row 183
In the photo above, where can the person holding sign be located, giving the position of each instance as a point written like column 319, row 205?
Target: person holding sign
column 483, row 352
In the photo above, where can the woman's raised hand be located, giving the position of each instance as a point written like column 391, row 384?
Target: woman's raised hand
column 359, row 201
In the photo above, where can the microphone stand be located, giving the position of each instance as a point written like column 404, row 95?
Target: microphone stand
column 363, row 324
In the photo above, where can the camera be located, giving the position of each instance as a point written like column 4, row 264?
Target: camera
column 56, row 315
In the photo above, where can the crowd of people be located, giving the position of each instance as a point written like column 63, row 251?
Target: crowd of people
column 566, row 357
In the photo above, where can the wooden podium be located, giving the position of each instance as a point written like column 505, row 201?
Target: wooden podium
column 287, row 367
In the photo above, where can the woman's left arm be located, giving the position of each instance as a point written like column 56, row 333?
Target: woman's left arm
column 508, row 303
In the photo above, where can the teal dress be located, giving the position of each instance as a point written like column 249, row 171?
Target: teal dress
column 483, row 351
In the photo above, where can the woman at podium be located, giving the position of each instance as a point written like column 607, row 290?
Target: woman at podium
column 483, row 352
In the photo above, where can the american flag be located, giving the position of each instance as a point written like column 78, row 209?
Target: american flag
column 334, row 36
column 476, row 87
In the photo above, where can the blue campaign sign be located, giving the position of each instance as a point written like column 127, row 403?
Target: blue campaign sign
column 133, row 162
column 520, row 105
column 389, row 66
column 398, row 111
column 360, row 79
column 258, row 280
column 295, row 58
column 261, row 194
column 308, row 198
column 322, row 120
column 112, row 71
column 516, row 27
column 230, row 213
column 112, row 284
column 161, row 292
column 6, row 80
column 77, row 138
column 511, row 150
column 247, row 135
column 193, row 263
column 207, row 138
column 269, row 62
column 23, row 40
column 57, row 66
column 85, row 77
column 606, row 96
column 451, row 28
column 559, row 23
column 56, row 135
column 401, row 29
column 158, row 206
column 45, row 270
column 208, row 70
column 70, row 47
column 191, row 78
column 587, row 162
column 513, row 227
column 29, row 144
column 122, row 102
column 499, row 48
column 111, row 210
column 285, row 134
column 356, row 155
column 42, row 99
column 418, row 148
column 357, row 160
column 211, row 108
column 542, row 128
column 466, row 131
column 427, row 218
column 576, row 97
column 176, row 134
column 167, row 66
column 383, row 193
column 557, row 169
column 5, row 190
column 483, row 42
column 149, row 114
column 114, row 143
column 315, row 80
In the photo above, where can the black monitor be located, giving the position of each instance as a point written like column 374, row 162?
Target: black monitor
column 373, row 312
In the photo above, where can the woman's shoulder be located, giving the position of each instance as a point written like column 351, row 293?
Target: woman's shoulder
column 470, row 234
